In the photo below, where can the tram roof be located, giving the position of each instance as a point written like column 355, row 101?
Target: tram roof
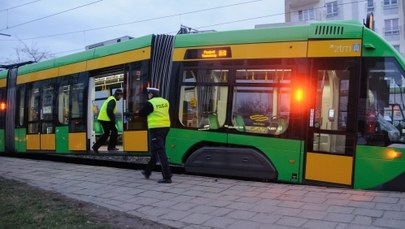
column 280, row 33
column 124, row 46
column 349, row 29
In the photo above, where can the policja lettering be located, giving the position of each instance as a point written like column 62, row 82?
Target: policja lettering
column 164, row 105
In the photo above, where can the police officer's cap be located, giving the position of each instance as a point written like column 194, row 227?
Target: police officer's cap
column 153, row 90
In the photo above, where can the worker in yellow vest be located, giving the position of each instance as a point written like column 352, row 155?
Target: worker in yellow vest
column 157, row 112
column 107, row 119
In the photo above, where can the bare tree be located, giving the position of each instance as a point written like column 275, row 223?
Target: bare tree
column 29, row 53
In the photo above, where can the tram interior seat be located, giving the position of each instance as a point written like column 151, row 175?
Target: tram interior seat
column 98, row 128
column 213, row 121
column 119, row 125
column 240, row 124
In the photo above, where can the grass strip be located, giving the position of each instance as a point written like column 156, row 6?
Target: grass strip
column 23, row 206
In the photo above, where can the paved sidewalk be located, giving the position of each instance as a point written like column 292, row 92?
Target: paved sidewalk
column 204, row 202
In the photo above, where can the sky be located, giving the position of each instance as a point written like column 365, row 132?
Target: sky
column 64, row 27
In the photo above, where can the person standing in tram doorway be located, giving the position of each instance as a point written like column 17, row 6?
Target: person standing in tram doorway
column 107, row 120
column 157, row 112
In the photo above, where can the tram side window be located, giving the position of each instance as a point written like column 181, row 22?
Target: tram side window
column 135, row 98
column 21, row 106
column 33, row 110
column 63, row 104
column 268, row 76
column 332, row 99
column 77, row 120
column 262, row 109
column 384, row 115
column 203, row 100
column 331, row 109
column 47, row 109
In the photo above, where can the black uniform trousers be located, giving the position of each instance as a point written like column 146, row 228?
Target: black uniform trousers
column 158, row 152
column 108, row 127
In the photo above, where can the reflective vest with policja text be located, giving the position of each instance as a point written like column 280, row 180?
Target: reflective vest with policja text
column 160, row 116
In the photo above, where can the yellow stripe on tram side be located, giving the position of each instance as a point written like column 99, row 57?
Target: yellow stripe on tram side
column 334, row 48
column 72, row 68
column 253, row 51
column 36, row 76
column 3, row 83
column 121, row 58
column 102, row 62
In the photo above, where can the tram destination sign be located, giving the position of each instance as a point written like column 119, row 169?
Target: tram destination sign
column 208, row 53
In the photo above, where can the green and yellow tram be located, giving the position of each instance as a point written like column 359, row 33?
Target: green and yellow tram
column 52, row 106
column 320, row 103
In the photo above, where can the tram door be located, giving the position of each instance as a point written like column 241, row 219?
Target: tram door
column 330, row 142
column 105, row 85
column 135, row 127
column 41, row 128
column 132, row 129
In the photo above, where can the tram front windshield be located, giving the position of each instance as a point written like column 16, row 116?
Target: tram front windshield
column 382, row 122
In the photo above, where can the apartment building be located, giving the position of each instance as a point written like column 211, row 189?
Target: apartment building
column 388, row 15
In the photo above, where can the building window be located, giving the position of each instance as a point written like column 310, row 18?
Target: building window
column 370, row 5
column 388, row 4
column 397, row 47
column 331, row 9
column 391, row 27
column 306, row 15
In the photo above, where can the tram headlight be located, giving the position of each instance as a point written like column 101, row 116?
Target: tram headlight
column 392, row 154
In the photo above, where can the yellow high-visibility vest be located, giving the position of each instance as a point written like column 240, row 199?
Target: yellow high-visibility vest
column 160, row 116
column 103, row 116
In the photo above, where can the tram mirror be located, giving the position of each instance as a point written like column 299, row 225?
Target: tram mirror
column 331, row 114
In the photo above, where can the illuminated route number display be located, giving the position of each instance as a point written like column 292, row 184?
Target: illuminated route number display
column 208, row 53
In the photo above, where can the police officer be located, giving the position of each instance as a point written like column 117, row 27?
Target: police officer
column 157, row 112
column 107, row 120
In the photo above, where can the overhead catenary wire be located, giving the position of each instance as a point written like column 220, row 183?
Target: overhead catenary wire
column 176, row 15
column 21, row 5
column 51, row 15
column 140, row 21
column 172, row 15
